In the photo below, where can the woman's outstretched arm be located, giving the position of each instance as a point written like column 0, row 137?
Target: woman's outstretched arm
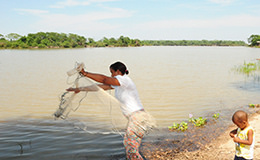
column 90, row 88
column 101, row 78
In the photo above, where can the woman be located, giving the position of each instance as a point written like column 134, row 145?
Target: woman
column 125, row 91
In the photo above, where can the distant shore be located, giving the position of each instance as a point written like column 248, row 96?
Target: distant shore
column 50, row 40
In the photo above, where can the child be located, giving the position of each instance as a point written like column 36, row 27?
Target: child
column 243, row 136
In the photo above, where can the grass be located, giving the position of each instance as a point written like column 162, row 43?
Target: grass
column 248, row 68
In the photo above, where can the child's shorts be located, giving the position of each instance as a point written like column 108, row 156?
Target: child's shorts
column 241, row 158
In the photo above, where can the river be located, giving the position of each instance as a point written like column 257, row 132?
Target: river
column 173, row 82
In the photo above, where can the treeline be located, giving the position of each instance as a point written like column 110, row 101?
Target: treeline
column 62, row 40
column 42, row 40
column 112, row 42
column 193, row 43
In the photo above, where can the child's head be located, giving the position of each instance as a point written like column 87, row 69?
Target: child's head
column 240, row 119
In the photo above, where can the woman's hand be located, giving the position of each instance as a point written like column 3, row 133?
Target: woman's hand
column 83, row 72
column 76, row 90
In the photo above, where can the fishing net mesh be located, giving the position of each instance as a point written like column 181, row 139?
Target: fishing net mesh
column 97, row 109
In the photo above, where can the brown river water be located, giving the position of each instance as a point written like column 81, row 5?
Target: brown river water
column 173, row 82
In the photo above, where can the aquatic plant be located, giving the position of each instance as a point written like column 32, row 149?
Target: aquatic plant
column 248, row 68
column 216, row 116
column 183, row 126
column 198, row 122
column 251, row 105
column 254, row 105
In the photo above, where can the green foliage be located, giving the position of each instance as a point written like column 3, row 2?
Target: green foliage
column 198, row 122
column 193, row 43
column 254, row 105
column 183, row 126
column 216, row 116
column 62, row 40
column 41, row 46
column 248, row 68
column 3, row 43
column 44, row 40
column 2, row 37
column 13, row 36
column 112, row 42
column 254, row 40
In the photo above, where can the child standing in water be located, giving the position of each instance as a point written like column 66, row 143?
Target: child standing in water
column 243, row 136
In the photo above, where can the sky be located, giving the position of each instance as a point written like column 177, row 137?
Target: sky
column 141, row 19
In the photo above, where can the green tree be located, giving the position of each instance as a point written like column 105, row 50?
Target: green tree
column 13, row 36
column 23, row 39
column 105, row 42
column 112, row 41
column 123, row 41
column 45, row 42
column 2, row 37
column 66, row 44
column 254, row 40
column 91, row 42
column 41, row 46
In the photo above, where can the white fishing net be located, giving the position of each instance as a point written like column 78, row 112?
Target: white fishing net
column 96, row 109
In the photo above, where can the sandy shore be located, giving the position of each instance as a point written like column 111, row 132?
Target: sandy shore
column 222, row 148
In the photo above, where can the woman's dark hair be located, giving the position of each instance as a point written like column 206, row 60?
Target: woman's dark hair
column 119, row 66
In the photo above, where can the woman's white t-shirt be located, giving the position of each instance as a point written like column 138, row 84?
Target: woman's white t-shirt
column 127, row 94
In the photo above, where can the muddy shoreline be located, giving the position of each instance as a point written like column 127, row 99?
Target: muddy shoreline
column 209, row 142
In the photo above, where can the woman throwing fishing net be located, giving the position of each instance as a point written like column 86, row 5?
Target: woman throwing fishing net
column 139, row 122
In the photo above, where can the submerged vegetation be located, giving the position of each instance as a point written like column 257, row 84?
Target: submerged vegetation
column 62, row 40
column 248, row 68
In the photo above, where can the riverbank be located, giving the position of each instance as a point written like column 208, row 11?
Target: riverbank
column 222, row 148
column 62, row 40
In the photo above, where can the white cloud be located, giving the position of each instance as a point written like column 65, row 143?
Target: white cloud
column 70, row 3
column 32, row 11
column 237, row 27
column 230, row 21
column 91, row 22
column 224, row 2
column 99, row 1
